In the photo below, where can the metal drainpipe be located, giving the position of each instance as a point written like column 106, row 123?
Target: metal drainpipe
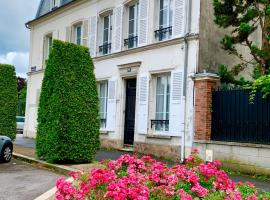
column 187, row 33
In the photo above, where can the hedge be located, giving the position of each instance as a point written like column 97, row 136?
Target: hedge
column 8, row 101
column 68, row 115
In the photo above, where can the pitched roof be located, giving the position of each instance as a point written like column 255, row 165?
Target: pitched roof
column 44, row 7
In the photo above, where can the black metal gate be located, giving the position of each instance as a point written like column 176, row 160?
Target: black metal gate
column 235, row 119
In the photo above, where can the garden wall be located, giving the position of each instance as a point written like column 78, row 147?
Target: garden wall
column 243, row 157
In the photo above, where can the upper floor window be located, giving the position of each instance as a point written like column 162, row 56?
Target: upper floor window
column 105, row 48
column 165, row 20
column 78, row 34
column 163, row 90
column 132, row 40
column 55, row 4
column 48, row 39
column 103, row 98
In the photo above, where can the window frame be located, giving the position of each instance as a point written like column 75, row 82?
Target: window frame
column 109, row 28
column 48, row 39
column 169, row 15
column 75, row 28
column 103, row 115
column 166, row 101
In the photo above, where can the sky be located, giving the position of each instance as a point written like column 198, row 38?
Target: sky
column 14, row 36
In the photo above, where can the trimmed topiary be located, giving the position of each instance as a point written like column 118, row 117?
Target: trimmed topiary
column 68, row 115
column 8, row 101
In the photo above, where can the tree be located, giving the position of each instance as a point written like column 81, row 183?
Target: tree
column 22, row 100
column 8, row 101
column 243, row 18
column 68, row 115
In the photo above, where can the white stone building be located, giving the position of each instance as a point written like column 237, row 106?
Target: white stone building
column 144, row 53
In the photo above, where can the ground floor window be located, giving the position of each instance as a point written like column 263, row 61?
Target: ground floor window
column 163, row 90
column 103, row 98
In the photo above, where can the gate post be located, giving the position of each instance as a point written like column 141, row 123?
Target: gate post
column 204, row 84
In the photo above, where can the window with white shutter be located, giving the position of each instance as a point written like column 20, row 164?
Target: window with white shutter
column 118, row 19
column 68, row 34
column 85, row 34
column 47, row 44
column 103, row 99
column 111, row 109
column 179, row 18
column 106, row 46
column 133, row 26
column 77, row 34
column 165, row 20
column 93, row 36
column 177, row 106
column 163, row 92
column 142, row 114
column 143, row 22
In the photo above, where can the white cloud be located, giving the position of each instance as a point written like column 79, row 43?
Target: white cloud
column 20, row 61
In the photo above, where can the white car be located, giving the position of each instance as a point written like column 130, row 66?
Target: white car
column 20, row 124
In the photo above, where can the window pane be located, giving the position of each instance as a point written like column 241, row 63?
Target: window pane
column 163, row 102
column 131, row 28
column 131, row 12
column 106, row 36
column 106, row 22
column 103, row 90
column 78, row 34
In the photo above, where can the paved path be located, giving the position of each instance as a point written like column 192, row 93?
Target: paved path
column 26, row 147
column 20, row 181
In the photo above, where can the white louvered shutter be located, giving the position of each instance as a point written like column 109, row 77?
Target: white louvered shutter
column 177, row 105
column 142, row 114
column 143, row 22
column 179, row 18
column 93, row 36
column 85, row 35
column 111, row 107
column 68, row 34
column 118, row 20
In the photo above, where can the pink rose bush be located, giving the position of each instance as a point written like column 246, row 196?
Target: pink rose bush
column 131, row 178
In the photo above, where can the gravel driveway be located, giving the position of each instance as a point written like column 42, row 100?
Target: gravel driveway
column 20, row 181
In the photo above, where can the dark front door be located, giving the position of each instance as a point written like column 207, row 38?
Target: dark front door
column 130, row 111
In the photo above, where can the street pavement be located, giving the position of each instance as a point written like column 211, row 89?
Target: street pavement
column 21, row 181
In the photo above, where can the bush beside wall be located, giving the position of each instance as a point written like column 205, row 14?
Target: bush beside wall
column 8, row 101
column 68, row 115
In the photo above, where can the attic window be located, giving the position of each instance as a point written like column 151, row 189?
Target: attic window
column 55, row 4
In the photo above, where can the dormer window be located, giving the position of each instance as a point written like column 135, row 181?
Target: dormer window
column 55, row 4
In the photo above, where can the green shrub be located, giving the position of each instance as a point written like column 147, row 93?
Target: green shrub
column 8, row 101
column 68, row 115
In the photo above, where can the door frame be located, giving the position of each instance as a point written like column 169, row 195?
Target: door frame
column 123, row 107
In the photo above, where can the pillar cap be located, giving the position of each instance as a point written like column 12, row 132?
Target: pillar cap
column 205, row 76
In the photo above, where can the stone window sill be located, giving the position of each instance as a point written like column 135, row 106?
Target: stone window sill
column 103, row 132
column 156, row 136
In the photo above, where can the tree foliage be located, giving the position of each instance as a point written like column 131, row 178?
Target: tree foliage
column 8, row 101
column 243, row 18
column 68, row 119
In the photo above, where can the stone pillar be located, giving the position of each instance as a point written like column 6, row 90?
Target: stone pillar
column 204, row 84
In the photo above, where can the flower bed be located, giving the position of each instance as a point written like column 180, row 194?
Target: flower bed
column 131, row 178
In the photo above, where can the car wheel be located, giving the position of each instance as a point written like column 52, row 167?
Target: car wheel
column 6, row 153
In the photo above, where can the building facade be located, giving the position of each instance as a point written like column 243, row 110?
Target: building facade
column 144, row 52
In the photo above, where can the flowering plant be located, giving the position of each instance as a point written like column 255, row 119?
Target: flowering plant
column 131, row 178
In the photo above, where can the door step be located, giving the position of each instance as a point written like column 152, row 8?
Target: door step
column 127, row 148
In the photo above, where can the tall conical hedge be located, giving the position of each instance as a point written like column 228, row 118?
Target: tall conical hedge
column 8, row 101
column 68, row 119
